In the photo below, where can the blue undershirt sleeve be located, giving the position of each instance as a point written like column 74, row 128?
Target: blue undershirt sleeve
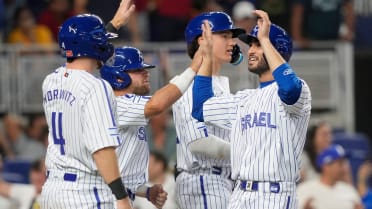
column 201, row 92
column 289, row 84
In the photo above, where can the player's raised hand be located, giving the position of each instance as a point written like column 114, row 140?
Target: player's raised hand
column 157, row 195
column 122, row 15
column 206, row 43
column 263, row 23
column 196, row 61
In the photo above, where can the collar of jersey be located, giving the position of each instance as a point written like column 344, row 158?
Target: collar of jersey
column 266, row 83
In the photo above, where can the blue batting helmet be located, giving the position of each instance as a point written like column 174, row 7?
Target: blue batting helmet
column 126, row 59
column 219, row 22
column 85, row 36
column 278, row 37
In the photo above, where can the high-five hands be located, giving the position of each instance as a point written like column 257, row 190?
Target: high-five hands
column 263, row 23
column 205, row 50
column 123, row 13
column 206, row 43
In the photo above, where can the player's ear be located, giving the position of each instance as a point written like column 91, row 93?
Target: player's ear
column 200, row 39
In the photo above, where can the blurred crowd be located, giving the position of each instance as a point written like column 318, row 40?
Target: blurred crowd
column 37, row 21
column 336, row 170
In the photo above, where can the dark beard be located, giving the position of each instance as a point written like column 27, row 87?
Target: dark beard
column 262, row 67
column 141, row 91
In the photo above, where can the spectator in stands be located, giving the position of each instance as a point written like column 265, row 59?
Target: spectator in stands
column 55, row 14
column 5, row 149
column 172, row 14
column 2, row 17
column 200, row 6
column 318, row 138
column 36, row 126
column 24, row 196
column 25, row 30
column 243, row 15
column 363, row 29
column 321, row 20
column 278, row 10
column 159, row 174
column 80, row 7
column 363, row 184
column 329, row 191
column 21, row 145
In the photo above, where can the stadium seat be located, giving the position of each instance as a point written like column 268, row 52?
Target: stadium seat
column 16, row 171
column 357, row 147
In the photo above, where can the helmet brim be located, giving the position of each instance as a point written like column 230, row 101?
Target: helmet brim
column 237, row 32
column 111, row 35
column 147, row 66
column 247, row 38
column 144, row 66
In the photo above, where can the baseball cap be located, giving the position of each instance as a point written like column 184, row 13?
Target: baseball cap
column 243, row 9
column 329, row 155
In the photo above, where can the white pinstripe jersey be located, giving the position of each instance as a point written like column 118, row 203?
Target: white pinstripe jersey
column 189, row 129
column 133, row 154
column 80, row 110
column 267, row 135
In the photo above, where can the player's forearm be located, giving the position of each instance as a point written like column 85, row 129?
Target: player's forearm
column 216, row 147
column 274, row 59
column 290, row 85
column 161, row 100
column 142, row 190
column 107, row 164
column 166, row 96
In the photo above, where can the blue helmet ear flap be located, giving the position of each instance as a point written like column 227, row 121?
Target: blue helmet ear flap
column 117, row 78
column 126, row 59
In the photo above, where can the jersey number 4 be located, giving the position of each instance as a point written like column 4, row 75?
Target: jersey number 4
column 57, row 125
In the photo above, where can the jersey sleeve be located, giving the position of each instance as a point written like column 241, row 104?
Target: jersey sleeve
column 221, row 111
column 303, row 104
column 100, row 125
column 131, row 110
column 187, row 127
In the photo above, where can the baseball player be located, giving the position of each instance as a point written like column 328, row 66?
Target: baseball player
column 204, row 173
column 129, row 77
column 82, row 167
column 268, row 123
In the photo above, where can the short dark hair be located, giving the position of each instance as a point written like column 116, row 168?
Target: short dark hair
column 37, row 165
column 309, row 146
column 69, row 60
column 193, row 47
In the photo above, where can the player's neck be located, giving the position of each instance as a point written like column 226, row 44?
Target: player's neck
column 216, row 68
column 267, row 76
column 83, row 63
column 122, row 92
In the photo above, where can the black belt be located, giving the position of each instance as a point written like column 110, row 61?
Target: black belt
column 253, row 186
column 216, row 170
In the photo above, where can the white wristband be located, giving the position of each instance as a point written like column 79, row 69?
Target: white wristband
column 184, row 80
